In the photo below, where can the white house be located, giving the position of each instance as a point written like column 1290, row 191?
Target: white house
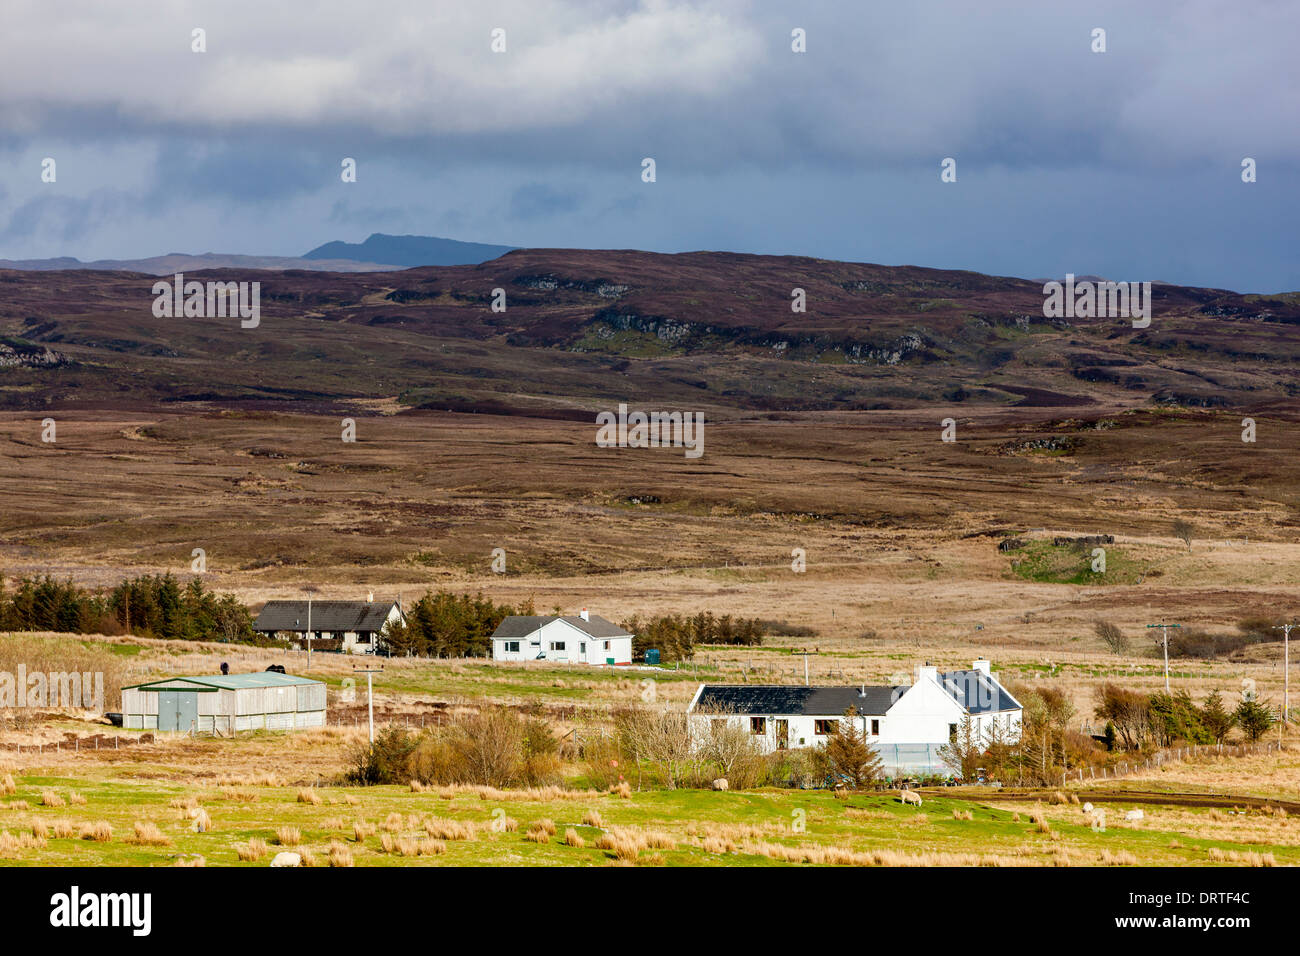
column 585, row 639
column 907, row 724
column 354, row 627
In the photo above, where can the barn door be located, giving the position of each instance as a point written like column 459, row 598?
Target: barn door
column 168, row 715
column 187, row 711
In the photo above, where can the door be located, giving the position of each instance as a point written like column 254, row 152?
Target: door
column 782, row 734
column 177, row 710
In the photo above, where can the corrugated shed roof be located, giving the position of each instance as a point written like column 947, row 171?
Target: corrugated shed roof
column 325, row 616
column 766, row 699
column 521, row 625
column 228, row 681
column 978, row 692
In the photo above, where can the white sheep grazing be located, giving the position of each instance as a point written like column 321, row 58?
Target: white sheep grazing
column 907, row 796
column 287, row 859
column 1134, row 815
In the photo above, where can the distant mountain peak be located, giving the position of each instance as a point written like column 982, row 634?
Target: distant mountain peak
column 410, row 251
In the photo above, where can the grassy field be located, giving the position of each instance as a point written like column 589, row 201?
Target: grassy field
column 147, row 809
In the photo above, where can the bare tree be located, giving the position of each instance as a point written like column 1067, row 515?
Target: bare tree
column 1184, row 531
column 1112, row 637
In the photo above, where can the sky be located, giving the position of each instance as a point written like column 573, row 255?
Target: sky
column 1125, row 163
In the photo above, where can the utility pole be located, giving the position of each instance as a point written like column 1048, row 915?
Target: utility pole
column 1165, row 628
column 370, row 695
column 1286, row 669
column 310, row 590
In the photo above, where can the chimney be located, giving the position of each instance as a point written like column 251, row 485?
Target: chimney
column 926, row 671
column 980, row 665
column 583, row 614
column 370, row 597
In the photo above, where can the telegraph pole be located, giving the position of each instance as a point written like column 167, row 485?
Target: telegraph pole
column 1286, row 669
column 310, row 590
column 370, row 695
column 1165, row 628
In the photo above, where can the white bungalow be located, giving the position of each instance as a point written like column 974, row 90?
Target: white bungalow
column 585, row 639
column 907, row 724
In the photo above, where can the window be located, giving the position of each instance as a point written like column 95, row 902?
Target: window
column 512, row 647
column 557, row 645
column 582, row 648
column 363, row 638
column 607, row 645
column 758, row 725
column 875, row 728
column 823, row 727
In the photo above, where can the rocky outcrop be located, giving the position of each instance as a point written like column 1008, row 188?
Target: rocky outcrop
column 22, row 355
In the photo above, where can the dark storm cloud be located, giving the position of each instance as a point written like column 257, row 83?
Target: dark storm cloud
column 1068, row 160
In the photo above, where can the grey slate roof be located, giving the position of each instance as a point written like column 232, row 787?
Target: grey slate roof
column 978, row 692
column 521, row 625
column 775, row 699
column 333, row 616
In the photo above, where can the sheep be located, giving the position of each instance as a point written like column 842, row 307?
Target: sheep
column 907, row 796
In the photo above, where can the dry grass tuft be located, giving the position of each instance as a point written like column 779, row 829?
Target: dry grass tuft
column 963, row 815
column 592, row 818
column 64, row 829
column 191, row 861
column 241, row 796
column 101, row 831
column 362, row 830
column 288, row 836
column 1121, row 858
column 148, row 834
column 571, row 838
column 306, row 795
column 51, row 799
column 622, row 789
column 340, row 855
column 11, row 845
column 252, row 851
column 441, row 829
column 7, row 786
column 394, row 822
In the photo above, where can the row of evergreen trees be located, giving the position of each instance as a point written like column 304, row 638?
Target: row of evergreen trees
column 675, row 635
column 443, row 624
column 150, row 605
